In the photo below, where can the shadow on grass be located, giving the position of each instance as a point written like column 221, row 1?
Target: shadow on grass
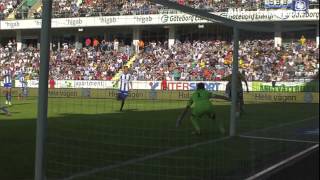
column 121, row 136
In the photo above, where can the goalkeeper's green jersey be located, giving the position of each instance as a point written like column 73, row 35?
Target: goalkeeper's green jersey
column 200, row 97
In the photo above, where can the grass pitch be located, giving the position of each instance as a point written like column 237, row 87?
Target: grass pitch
column 91, row 139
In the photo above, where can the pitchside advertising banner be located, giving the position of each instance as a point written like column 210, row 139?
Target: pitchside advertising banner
column 155, row 85
column 255, row 97
column 285, row 87
column 184, row 85
column 164, row 19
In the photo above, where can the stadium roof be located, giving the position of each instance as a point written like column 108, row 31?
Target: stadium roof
column 262, row 27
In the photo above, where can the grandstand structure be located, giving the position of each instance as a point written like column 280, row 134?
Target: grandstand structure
column 147, row 23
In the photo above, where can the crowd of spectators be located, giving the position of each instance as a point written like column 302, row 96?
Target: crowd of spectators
column 184, row 61
column 212, row 60
column 7, row 6
column 87, row 8
column 90, row 62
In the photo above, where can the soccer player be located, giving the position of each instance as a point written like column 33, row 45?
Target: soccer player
column 24, row 88
column 7, row 82
column 4, row 110
column 202, row 106
column 240, row 100
column 125, row 83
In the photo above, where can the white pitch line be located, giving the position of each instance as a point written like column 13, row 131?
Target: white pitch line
column 284, row 124
column 279, row 139
column 151, row 156
column 281, row 163
column 170, row 151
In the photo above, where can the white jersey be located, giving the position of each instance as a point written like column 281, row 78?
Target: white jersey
column 22, row 81
column 7, row 75
column 125, row 80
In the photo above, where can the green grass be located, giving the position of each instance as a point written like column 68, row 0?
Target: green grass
column 84, row 134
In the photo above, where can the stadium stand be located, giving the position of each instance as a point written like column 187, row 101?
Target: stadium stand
column 197, row 60
column 89, row 8
column 7, row 7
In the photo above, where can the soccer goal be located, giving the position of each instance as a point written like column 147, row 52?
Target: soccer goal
column 262, row 61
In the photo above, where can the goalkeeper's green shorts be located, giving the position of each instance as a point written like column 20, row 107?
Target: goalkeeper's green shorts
column 201, row 110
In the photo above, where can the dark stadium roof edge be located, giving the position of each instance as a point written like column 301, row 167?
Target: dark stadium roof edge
column 225, row 21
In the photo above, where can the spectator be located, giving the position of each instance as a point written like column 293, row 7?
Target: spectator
column 95, row 43
column 88, row 42
column 164, row 83
column 51, row 83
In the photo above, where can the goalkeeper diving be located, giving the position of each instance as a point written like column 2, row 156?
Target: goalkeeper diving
column 201, row 105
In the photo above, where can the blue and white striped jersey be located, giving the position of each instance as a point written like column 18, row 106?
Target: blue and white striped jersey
column 124, row 82
column 21, row 77
column 22, row 80
column 7, row 76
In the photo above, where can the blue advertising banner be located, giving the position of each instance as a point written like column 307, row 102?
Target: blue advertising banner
column 278, row 4
column 301, row 5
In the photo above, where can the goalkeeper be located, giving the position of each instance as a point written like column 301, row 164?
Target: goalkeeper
column 202, row 106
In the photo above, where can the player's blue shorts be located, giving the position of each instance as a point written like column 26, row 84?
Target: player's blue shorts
column 7, row 85
column 122, row 95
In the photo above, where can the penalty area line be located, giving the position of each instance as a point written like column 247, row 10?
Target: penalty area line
column 278, row 139
column 281, row 125
column 282, row 163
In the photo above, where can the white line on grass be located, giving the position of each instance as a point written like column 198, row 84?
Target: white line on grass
column 170, row 151
column 151, row 156
column 279, row 139
column 281, row 163
column 283, row 125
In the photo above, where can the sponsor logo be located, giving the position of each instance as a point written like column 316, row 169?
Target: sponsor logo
column 180, row 18
column 300, row 5
column 164, row 18
column 12, row 24
column 67, row 84
column 91, row 84
column 62, row 93
column 108, row 20
column 143, row 19
column 191, row 86
column 274, row 98
column 74, row 21
column 132, row 94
